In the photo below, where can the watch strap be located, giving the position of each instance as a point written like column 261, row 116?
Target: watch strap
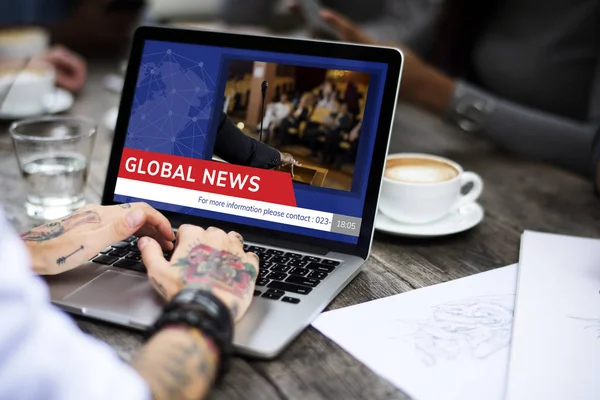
column 201, row 310
column 469, row 107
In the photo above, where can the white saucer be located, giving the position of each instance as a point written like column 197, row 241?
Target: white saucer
column 110, row 119
column 460, row 220
column 58, row 101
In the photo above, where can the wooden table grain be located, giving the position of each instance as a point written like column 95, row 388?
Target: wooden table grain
column 518, row 195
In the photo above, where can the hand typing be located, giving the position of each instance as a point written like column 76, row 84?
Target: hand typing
column 210, row 260
column 64, row 244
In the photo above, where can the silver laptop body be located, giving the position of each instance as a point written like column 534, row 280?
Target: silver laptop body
column 125, row 297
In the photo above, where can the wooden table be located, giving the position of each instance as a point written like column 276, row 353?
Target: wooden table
column 518, row 195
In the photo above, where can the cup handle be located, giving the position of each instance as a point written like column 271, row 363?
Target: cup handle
column 474, row 193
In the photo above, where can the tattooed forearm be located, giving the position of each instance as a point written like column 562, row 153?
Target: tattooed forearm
column 125, row 205
column 63, row 259
column 59, row 227
column 177, row 364
column 207, row 267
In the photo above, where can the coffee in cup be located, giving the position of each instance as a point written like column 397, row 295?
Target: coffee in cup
column 25, row 88
column 421, row 188
column 419, row 170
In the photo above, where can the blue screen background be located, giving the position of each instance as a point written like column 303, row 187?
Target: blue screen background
column 175, row 110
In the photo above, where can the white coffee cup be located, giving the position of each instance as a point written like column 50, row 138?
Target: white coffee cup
column 421, row 188
column 28, row 87
column 22, row 43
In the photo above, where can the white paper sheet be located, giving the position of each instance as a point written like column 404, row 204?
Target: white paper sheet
column 447, row 341
column 556, row 343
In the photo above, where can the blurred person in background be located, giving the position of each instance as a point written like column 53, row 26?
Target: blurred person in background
column 349, row 155
column 328, row 96
column 276, row 112
column 292, row 122
column 89, row 27
column 396, row 20
column 339, row 122
column 70, row 68
column 526, row 78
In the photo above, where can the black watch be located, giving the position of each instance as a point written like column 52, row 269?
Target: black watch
column 201, row 310
column 469, row 108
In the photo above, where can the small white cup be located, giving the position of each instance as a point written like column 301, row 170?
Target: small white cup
column 425, row 198
column 28, row 88
column 22, row 43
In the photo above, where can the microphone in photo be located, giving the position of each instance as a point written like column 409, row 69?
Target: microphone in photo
column 263, row 88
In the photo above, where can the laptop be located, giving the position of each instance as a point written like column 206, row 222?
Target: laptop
column 312, row 228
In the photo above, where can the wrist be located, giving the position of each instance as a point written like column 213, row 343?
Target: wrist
column 197, row 336
column 201, row 310
column 432, row 90
column 229, row 301
column 469, row 108
column 425, row 85
column 37, row 256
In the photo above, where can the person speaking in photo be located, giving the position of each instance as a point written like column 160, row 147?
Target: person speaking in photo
column 235, row 147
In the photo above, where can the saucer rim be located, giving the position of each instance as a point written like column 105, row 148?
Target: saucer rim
column 480, row 211
column 56, row 110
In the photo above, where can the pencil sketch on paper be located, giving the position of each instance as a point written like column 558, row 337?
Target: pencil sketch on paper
column 472, row 328
column 592, row 324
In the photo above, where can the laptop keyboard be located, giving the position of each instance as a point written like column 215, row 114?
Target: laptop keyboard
column 288, row 276
column 283, row 276
column 124, row 255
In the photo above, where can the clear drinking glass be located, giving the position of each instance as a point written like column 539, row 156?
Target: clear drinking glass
column 54, row 156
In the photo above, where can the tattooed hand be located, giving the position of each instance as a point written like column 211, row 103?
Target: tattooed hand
column 208, row 259
column 64, row 244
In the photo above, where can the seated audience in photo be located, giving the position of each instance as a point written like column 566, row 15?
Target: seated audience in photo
column 349, row 155
column 327, row 95
column 291, row 124
column 235, row 147
column 339, row 122
column 352, row 97
column 276, row 112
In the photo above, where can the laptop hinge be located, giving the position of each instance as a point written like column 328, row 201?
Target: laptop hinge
column 303, row 247
column 273, row 241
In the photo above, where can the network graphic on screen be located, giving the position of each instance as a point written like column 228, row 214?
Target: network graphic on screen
column 172, row 106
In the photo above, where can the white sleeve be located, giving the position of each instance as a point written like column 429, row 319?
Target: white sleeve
column 43, row 354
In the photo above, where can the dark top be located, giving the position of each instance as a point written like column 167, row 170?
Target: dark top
column 235, row 147
column 295, row 121
column 345, row 123
column 543, row 55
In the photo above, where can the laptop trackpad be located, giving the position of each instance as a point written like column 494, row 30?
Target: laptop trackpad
column 118, row 297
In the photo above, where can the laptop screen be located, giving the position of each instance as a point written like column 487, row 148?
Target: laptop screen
column 197, row 142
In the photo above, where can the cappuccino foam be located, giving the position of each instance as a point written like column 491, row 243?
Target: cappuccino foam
column 419, row 170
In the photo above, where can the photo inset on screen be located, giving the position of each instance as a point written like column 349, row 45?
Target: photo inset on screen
column 312, row 114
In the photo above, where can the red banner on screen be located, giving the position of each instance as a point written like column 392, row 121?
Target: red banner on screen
column 208, row 176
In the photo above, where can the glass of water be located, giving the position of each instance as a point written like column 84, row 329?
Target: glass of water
column 54, row 156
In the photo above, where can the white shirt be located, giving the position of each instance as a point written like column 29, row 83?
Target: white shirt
column 43, row 354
